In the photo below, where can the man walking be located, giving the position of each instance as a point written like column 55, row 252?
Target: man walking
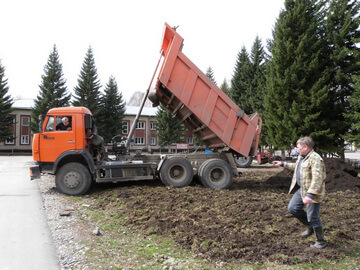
column 308, row 187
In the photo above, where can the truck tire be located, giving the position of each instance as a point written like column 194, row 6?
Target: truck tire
column 176, row 172
column 73, row 179
column 243, row 162
column 215, row 173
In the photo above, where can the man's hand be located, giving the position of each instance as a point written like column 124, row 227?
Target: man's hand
column 307, row 200
column 276, row 163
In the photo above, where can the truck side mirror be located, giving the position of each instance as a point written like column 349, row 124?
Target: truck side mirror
column 88, row 121
column 40, row 123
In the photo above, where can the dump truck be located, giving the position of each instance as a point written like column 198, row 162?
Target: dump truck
column 77, row 156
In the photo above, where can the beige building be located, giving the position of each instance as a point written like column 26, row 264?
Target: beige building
column 144, row 136
column 22, row 137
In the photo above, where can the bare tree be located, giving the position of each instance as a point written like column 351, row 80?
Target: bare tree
column 136, row 98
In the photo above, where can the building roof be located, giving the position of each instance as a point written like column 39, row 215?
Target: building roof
column 23, row 104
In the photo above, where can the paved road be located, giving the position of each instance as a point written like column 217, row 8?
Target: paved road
column 25, row 240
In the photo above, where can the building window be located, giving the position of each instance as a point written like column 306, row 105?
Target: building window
column 152, row 125
column 152, row 140
column 190, row 141
column 139, row 141
column 125, row 127
column 25, row 121
column 11, row 140
column 25, row 129
column 25, row 139
column 140, row 125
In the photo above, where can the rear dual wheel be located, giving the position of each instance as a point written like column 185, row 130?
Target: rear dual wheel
column 215, row 173
column 243, row 162
column 176, row 172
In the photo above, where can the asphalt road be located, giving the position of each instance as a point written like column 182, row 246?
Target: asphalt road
column 25, row 239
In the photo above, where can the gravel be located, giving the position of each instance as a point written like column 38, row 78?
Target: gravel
column 73, row 236
column 67, row 230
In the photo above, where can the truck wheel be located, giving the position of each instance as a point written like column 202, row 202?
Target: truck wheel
column 243, row 162
column 73, row 179
column 177, row 172
column 215, row 173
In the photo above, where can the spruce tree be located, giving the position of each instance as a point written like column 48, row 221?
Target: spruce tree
column 354, row 116
column 210, row 74
column 256, row 91
column 6, row 120
column 249, row 79
column 240, row 83
column 53, row 91
column 297, row 80
column 258, row 77
column 87, row 91
column 169, row 129
column 225, row 87
column 342, row 32
column 112, row 111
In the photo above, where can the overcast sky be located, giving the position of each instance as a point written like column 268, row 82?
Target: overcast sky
column 125, row 37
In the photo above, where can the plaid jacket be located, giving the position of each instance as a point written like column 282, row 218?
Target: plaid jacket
column 312, row 173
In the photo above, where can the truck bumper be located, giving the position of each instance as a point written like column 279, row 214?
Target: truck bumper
column 35, row 172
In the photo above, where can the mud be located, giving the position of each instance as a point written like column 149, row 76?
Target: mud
column 248, row 222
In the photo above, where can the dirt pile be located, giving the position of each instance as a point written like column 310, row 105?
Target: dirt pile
column 340, row 176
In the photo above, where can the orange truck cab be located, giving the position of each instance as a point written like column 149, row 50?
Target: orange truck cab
column 53, row 142
column 56, row 145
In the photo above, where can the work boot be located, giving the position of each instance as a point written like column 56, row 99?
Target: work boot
column 320, row 241
column 309, row 231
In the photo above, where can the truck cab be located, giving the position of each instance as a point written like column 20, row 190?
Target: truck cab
column 53, row 145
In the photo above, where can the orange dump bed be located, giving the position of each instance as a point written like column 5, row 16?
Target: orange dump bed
column 204, row 108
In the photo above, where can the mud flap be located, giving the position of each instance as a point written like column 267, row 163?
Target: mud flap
column 230, row 158
column 162, row 160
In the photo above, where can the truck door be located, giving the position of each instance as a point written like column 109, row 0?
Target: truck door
column 55, row 141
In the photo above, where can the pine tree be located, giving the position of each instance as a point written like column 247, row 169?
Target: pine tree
column 6, row 102
column 342, row 31
column 87, row 91
column 53, row 92
column 240, row 83
column 354, row 134
column 225, row 87
column 210, row 74
column 258, row 77
column 112, row 111
column 256, row 92
column 297, row 80
column 169, row 129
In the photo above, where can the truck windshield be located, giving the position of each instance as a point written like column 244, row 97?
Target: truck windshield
column 50, row 124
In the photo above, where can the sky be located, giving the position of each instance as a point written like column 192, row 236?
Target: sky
column 125, row 37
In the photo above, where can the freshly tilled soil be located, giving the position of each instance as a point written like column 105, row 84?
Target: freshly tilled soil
column 247, row 222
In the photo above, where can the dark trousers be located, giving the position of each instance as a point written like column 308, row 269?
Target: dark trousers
column 310, row 217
